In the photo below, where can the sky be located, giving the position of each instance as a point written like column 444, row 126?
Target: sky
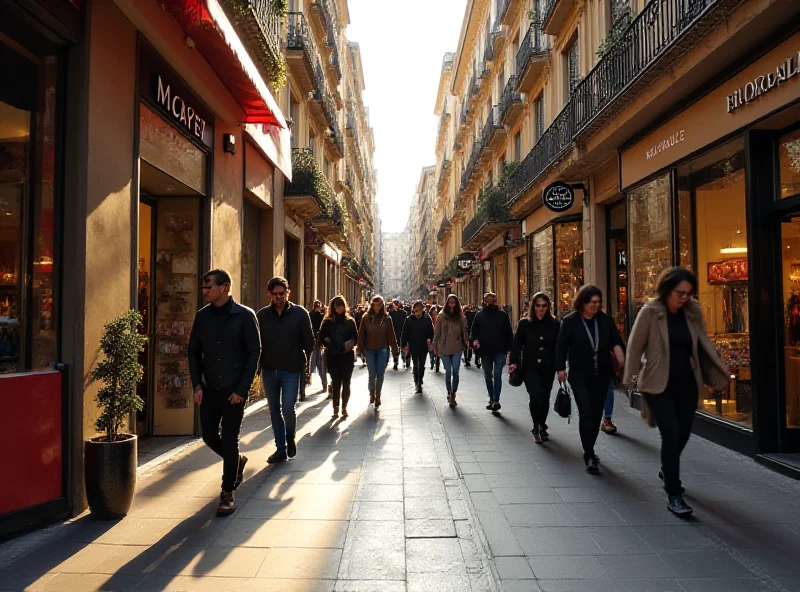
column 402, row 46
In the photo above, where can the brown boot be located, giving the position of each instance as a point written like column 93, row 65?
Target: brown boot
column 227, row 503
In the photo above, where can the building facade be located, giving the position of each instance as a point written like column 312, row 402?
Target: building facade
column 396, row 264
column 673, row 124
column 142, row 143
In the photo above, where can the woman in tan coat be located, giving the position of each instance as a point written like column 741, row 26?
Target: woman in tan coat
column 375, row 337
column 670, row 360
column 449, row 341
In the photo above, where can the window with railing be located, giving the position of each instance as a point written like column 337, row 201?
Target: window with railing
column 538, row 117
column 573, row 67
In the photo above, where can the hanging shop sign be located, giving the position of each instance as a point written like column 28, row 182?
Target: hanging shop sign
column 558, row 197
column 442, row 283
column 466, row 261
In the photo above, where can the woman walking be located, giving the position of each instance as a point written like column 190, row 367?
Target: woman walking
column 415, row 340
column 338, row 334
column 588, row 339
column 375, row 338
column 679, row 358
column 449, row 341
column 434, row 314
column 535, row 343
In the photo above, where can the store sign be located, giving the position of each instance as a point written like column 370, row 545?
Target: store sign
column 622, row 259
column 558, row 197
column 466, row 261
column 763, row 84
column 181, row 112
column 666, row 143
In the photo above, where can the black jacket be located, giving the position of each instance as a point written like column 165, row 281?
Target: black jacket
column 357, row 317
column 492, row 328
column 223, row 354
column 573, row 344
column 416, row 332
column 316, row 317
column 286, row 340
column 334, row 333
column 470, row 314
column 398, row 319
column 535, row 343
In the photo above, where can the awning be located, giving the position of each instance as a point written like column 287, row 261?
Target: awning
column 216, row 39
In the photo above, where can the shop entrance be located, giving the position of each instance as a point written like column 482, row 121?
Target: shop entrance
column 617, row 237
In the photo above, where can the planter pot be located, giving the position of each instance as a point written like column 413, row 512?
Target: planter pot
column 110, row 476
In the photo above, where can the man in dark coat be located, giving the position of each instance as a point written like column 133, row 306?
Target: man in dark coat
column 491, row 336
column 470, row 315
column 398, row 316
column 416, row 339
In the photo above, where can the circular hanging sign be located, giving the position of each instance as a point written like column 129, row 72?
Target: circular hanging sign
column 558, row 197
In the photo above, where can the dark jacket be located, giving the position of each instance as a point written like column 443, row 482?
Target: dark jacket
column 573, row 344
column 416, row 332
column 492, row 328
column 376, row 333
column 224, row 354
column 398, row 319
column 535, row 343
column 316, row 317
column 287, row 340
column 334, row 333
column 357, row 317
column 470, row 314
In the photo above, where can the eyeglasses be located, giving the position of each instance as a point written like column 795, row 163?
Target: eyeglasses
column 682, row 293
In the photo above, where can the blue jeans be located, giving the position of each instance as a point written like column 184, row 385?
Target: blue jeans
column 493, row 373
column 282, row 388
column 377, row 359
column 452, row 364
column 608, row 411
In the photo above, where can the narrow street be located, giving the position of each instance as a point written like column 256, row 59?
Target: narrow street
column 422, row 497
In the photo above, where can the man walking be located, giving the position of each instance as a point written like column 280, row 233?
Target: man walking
column 492, row 336
column 224, row 347
column 287, row 345
column 317, row 357
column 470, row 314
column 415, row 340
column 398, row 316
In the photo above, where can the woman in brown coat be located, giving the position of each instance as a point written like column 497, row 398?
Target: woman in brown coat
column 449, row 341
column 375, row 337
column 670, row 359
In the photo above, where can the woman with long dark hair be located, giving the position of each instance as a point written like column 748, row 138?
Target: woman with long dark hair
column 338, row 334
column 679, row 359
column 375, row 337
column 449, row 341
column 588, row 339
column 535, row 344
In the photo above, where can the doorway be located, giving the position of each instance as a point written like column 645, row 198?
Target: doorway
column 617, row 249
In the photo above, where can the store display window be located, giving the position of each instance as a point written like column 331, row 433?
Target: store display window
column 712, row 219
column 569, row 264
column 789, row 164
column 542, row 269
column 790, row 260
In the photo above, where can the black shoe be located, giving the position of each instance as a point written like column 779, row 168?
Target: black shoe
column 496, row 406
column 291, row 448
column 240, row 471
column 395, row 367
column 593, row 465
column 277, row 456
column 302, row 397
column 678, row 506
column 490, row 406
column 478, row 366
column 543, row 433
column 227, row 503
column 467, row 364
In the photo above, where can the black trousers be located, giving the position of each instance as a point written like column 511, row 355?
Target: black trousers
column 340, row 367
column 539, row 386
column 674, row 412
column 590, row 397
column 406, row 359
column 468, row 354
column 215, row 410
column 418, row 360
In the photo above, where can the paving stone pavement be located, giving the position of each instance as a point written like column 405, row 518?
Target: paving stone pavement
column 423, row 497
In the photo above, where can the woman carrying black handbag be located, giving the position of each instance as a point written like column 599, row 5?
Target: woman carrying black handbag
column 588, row 339
column 535, row 342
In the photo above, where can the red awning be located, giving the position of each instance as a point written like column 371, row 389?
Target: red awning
column 215, row 38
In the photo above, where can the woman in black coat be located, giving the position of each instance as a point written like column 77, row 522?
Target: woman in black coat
column 590, row 341
column 535, row 343
column 338, row 334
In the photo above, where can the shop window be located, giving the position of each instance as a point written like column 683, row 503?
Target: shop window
column 251, row 245
column 569, row 264
column 789, row 161
column 712, row 204
column 790, row 251
column 649, row 238
column 542, row 269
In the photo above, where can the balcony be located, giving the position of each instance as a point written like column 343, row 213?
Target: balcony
column 309, row 191
column 441, row 133
column 444, row 175
column 321, row 17
column 531, row 57
column 466, row 177
column 506, row 10
column 494, row 133
column 491, row 219
column 301, row 52
column 444, row 229
column 510, row 103
column 323, row 111
column 488, row 59
column 555, row 14
column 258, row 23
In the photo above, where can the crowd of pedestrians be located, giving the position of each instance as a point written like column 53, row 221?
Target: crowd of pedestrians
column 669, row 360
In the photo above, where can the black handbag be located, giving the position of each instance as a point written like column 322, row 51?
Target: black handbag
column 515, row 377
column 563, row 404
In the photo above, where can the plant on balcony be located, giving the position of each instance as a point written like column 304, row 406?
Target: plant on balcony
column 615, row 34
column 492, row 201
column 307, row 179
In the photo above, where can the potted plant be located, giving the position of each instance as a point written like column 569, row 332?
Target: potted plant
column 110, row 459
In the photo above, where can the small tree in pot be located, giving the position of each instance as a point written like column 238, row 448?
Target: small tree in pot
column 111, row 459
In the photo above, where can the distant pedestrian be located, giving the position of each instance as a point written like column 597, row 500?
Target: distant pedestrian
column 398, row 316
column 338, row 335
column 535, row 348
column 357, row 318
column 288, row 342
column 470, row 316
column 375, row 337
column 588, row 340
column 669, row 335
column 492, row 337
column 434, row 314
column 416, row 339
column 450, row 340
column 224, row 349
column 317, row 357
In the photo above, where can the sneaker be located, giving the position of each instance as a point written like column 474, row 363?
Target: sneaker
column 371, row 399
column 608, row 426
column 227, row 503
column 452, row 400
column 277, row 456
column 291, row 448
column 335, row 412
column 496, row 406
column 537, row 435
column 593, row 465
column 678, row 506
column 240, row 471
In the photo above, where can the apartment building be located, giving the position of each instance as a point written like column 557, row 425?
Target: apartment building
column 671, row 127
column 396, row 264
column 422, row 234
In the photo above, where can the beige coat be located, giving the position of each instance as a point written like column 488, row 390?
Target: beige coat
column 647, row 366
column 449, row 336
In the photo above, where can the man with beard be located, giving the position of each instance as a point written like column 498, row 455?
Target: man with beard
column 398, row 316
column 491, row 336
column 416, row 339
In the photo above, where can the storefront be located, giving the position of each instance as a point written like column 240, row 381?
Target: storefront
column 717, row 190
column 617, row 265
column 555, row 256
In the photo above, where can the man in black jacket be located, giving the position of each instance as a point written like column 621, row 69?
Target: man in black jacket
column 224, row 348
column 470, row 315
column 287, row 342
column 415, row 340
column 317, row 357
column 492, row 336
column 398, row 316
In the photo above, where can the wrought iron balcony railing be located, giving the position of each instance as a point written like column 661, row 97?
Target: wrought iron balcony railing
column 533, row 44
column 258, row 23
column 444, row 173
column 492, row 217
column 298, row 35
column 492, row 125
column 444, row 227
column 509, row 98
column 470, row 168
